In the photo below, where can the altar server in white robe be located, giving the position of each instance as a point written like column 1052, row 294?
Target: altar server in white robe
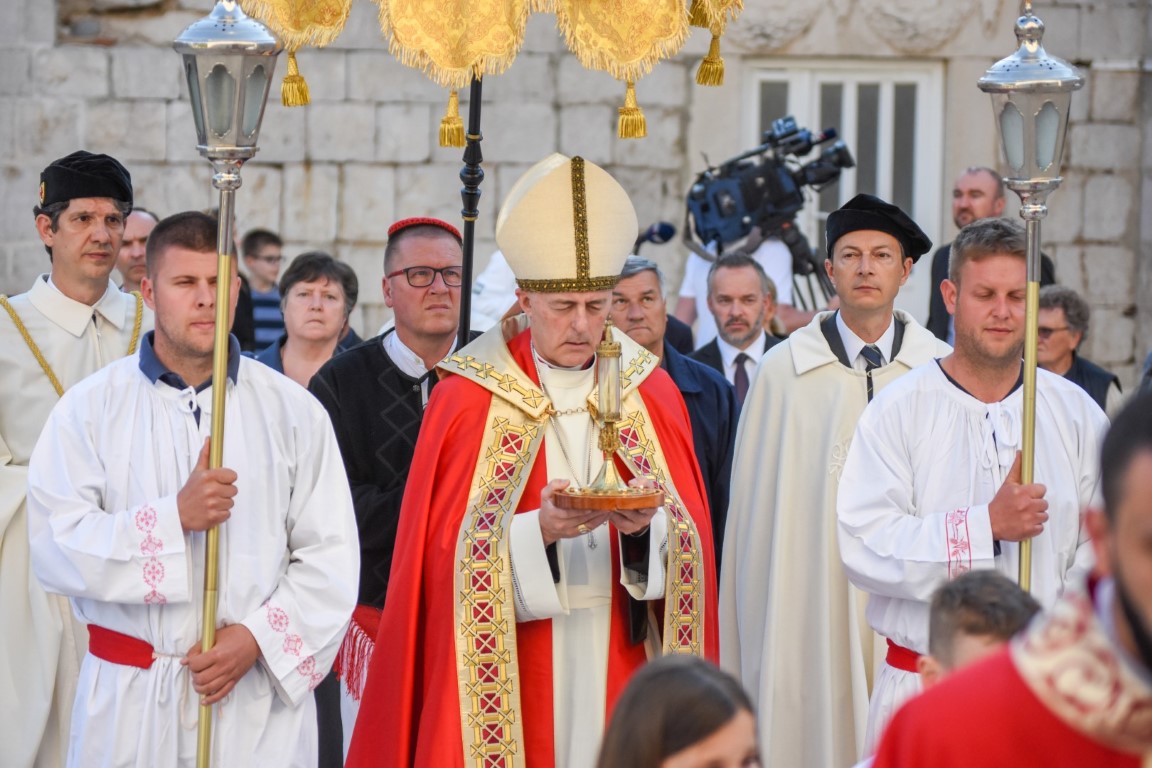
column 931, row 488
column 73, row 321
column 119, row 497
column 792, row 628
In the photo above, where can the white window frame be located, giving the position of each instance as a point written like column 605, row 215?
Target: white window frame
column 805, row 76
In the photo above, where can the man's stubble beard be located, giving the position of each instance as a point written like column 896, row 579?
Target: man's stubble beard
column 973, row 351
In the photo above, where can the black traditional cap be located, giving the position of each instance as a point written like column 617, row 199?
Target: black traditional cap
column 869, row 212
column 83, row 174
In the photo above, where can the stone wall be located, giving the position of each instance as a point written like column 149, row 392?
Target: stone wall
column 101, row 74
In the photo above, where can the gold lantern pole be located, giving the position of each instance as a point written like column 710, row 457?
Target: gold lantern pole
column 1031, row 95
column 229, row 60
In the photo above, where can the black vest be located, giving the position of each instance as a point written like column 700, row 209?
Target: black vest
column 1092, row 379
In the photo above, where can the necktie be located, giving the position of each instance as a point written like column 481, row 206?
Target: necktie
column 872, row 360
column 740, row 380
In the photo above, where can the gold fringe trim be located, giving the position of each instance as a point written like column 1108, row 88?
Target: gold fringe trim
column 714, row 14
column 632, row 124
column 711, row 70
column 317, row 35
column 622, row 70
column 698, row 15
column 452, row 76
column 451, row 126
column 294, row 90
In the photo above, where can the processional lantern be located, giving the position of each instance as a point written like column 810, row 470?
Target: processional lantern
column 608, row 491
column 1031, row 96
column 229, row 60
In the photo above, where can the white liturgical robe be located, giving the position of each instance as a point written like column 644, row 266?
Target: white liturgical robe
column 579, row 605
column 791, row 626
column 105, row 530
column 40, row 644
column 912, row 507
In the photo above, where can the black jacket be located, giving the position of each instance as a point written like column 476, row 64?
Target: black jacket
column 709, row 354
column 712, row 411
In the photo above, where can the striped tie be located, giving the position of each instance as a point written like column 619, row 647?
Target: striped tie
column 872, row 357
column 872, row 360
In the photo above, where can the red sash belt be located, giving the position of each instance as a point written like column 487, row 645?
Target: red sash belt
column 118, row 648
column 902, row 658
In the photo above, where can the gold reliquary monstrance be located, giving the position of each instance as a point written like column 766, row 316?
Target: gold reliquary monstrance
column 608, row 491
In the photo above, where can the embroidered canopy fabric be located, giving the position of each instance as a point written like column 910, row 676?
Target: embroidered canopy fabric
column 452, row 40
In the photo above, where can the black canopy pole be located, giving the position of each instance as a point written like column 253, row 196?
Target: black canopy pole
column 471, row 175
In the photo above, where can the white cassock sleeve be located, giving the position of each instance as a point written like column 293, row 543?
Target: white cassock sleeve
column 302, row 624
column 538, row 596
column 890, row 547
column 79, row 549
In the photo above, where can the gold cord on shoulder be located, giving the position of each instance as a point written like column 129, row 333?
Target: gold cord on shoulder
column 32, row 346
column 35, row 350
column 135, row 340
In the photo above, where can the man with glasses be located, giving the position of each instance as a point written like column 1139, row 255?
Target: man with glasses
column 1063, row 324
column 263, row 256
column 375, row 394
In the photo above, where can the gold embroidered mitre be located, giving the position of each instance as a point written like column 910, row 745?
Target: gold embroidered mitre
column 566, row 225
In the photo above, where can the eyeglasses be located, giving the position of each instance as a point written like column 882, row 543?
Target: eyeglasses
column 422, row 277
column 1045, row 333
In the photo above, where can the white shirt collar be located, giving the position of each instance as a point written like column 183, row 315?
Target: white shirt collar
column 74, row 316
column 728, row 352
column 853, row 343
column 406, row 360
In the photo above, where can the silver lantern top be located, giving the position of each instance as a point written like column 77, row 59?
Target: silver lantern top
column 1031, row 95
column 229, row 60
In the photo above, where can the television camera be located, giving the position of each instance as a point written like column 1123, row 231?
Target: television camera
column 764, row 188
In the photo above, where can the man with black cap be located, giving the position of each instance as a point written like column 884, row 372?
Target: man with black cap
column 931, row 487
column 507, row 634
column 72, row 322
column 782, row 586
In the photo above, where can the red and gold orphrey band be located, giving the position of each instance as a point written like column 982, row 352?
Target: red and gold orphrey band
column 490, row 714
column 492, row 729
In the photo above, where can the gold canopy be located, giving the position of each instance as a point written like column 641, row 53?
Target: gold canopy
column 298, row 23
column 454, row 41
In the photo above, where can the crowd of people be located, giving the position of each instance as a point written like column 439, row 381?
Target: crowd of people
column 407, row 579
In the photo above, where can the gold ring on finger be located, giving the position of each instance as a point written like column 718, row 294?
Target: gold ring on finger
column 582, row 528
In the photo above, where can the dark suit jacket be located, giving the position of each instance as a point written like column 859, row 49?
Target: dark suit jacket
column 678, row 334
column 709, row 354
column 711, row 403
column 938, row 314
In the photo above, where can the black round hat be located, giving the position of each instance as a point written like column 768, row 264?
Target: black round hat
column 870, row 212
column 84, row 174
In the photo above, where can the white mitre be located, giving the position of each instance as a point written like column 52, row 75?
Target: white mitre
column 566, row 225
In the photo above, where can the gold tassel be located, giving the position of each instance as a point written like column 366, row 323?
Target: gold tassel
column 294, row 91
column 711, row 70
column 698, row 14
column 451, row 126
column 632, row 124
